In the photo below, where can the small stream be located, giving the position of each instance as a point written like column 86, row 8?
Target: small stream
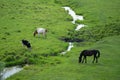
column 75, row 17
column 73, row 14
column 79, row 26
column 7, row 72
column 68, row 49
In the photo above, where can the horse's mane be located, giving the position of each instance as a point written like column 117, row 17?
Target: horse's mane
column 81, row 54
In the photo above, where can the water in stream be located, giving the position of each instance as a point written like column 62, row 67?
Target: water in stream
column 7, row 72
column 73, row 14
column 75, row 17
column 79, row 26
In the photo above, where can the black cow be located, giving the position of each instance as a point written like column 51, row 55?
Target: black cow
column 26, row 43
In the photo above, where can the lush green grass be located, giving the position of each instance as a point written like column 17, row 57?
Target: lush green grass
column 18, row 20
column 95, row 12
column 70, row 69
column 101, row 16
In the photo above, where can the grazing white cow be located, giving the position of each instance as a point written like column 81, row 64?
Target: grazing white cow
column 40, row 31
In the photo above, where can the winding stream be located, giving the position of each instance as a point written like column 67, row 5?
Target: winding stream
column 79, row 26
column 68, row 49
column 7, row 72
column 75, row 17
column 73, row 14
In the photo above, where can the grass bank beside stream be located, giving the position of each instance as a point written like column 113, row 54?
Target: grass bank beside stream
column 70, row 69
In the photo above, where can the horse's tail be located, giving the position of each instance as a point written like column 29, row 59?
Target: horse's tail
column 98, row 53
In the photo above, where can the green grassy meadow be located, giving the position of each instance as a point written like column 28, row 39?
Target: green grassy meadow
column 70, row 69
column 19, row 19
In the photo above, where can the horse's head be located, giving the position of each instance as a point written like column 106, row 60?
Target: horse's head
column 46, row 30
column 35, row 32
column 81, row 54
column 80, row 59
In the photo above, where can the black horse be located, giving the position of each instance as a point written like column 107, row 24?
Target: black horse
column 85, row 53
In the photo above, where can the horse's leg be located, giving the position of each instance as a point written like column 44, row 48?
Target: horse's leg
column 39, row 35
column 44, row 35
column 85, row 59
column 96, row 60
column 93, row 59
